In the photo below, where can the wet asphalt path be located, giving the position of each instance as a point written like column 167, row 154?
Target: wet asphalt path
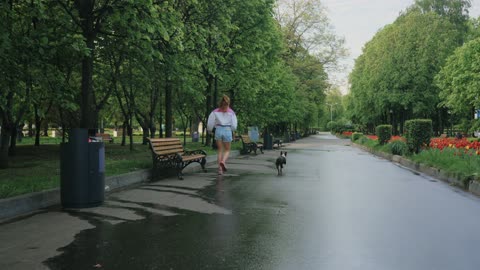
column 335, row 207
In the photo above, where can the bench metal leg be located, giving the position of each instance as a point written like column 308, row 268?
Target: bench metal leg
column 202, row 163
column 179, row 171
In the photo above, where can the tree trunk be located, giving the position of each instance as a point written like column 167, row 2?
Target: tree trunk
column 86, row 13
column 13, row 141
column 209, row 105
column 30, row 129
column 160, row 120
column 4, row 145
column 38, row 124
column 124, row 132
column 146, row 134
column 130, row 131
column 168, row 108
column 184, row 135
column 215, row 91
column 45, row 130
column 63, row 125
column 153, row 130
column 102, row 129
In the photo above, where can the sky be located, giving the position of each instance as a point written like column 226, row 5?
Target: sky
column 358, row 21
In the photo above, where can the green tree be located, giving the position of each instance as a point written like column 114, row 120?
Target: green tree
column 455, row 10
column 459, row 79
column 393, row 79
column 311, row 49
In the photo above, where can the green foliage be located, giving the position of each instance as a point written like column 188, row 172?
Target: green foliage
column 332, row 126
column 356, row 136
column 363, row 140
column 384, row 133
column 456, row 11
column 457, row 161
column 394, row 76
column 398, row 147
column 155, row 63
column 459, row 79
column 418, row 133
column 305, row 26
column 475, row 127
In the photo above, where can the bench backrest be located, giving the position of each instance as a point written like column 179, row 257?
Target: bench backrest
column 103, row 135
column 166, row 146
column 246, row 139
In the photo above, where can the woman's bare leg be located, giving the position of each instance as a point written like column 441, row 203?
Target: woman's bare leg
column 220, row 154
column 226, row 152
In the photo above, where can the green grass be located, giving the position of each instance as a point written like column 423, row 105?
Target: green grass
column 451, row 160
column 43, row 140
column 38, row 168
column 373, row 144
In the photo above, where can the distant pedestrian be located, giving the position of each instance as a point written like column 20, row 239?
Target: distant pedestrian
column 224, row 120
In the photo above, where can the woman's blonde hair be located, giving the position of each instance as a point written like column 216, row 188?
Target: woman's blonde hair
column 225, row 101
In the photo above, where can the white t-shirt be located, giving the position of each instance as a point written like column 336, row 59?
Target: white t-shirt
column 220, row 118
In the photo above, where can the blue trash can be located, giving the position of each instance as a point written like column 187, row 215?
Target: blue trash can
column 195, row 136
column 82, row 171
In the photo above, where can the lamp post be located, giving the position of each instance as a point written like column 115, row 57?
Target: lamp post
column 331, row 110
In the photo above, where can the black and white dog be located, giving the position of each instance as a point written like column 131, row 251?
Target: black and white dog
column 281, row 160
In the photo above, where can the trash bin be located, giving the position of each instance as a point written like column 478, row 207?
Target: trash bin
column 82, row 171
column 286, row 137
column 267, row 141
column 195, row 136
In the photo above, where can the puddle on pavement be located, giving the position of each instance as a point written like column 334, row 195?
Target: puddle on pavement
column 188, row 240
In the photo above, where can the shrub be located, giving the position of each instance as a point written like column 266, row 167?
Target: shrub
column 384, row 133
column 356, row 136
column 418, row 133
column 475, row 126
column 363, row 140
column 332, row 126
column 398, row 147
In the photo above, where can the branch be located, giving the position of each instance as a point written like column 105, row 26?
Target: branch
column 65, row 7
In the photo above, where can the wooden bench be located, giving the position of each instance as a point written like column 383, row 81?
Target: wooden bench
column 249, row 146
column 105, row 137
column 169, row 153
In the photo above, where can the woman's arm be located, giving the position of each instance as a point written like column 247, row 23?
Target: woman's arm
column 211, row 122
column 234, row 121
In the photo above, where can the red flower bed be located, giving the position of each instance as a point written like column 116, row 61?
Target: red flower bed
column 397, row 138
column 347, row 133
column 441, row 143
column 372, row 137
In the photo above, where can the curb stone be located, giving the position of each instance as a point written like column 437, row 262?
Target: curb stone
column 27, row 203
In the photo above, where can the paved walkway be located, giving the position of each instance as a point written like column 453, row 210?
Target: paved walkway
column 335, row 207
column 28, row 242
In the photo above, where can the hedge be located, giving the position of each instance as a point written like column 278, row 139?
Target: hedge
column 356, row 136
column 384, row 133
column 418, row 133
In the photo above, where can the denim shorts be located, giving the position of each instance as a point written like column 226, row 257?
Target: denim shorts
column 223, row 134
